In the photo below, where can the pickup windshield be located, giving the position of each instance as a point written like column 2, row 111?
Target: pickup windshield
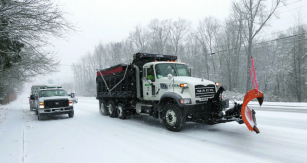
column 163, row 69
column 50, row 93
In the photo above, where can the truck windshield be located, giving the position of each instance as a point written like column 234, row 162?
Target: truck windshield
column 55, row 92
column 163, row 69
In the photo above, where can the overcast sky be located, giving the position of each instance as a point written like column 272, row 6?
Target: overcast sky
column 111, row 20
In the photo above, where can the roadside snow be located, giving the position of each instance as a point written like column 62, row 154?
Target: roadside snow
column 12, row 132
column 3, row 113
column 91, row 137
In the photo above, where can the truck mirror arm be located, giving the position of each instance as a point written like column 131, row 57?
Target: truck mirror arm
column 158, row 91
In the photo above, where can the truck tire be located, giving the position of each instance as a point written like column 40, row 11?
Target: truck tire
column 121, row 111
column 102, row 108
column 112, row 109
column 71, row 114
column 173, row 117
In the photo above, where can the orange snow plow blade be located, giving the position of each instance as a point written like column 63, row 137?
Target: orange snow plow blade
column 248, row 115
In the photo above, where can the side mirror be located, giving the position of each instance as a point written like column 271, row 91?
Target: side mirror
column 31, row 97
column 190, row 70
column 169, row 76
column 72, row 95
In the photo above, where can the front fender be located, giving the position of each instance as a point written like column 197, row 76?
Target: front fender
column 170, row 96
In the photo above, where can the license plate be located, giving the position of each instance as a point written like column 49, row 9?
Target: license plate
column 203, row 99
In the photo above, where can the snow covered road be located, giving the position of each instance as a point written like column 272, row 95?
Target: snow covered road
column 91, row 137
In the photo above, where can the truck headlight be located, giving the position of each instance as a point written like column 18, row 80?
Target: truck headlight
column 184, row 85
column 70, row 102
column 185, row 101
column 41, row 105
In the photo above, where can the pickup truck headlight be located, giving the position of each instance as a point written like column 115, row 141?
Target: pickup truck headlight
column 70, row 102
column 185, row 101
column 41, row 105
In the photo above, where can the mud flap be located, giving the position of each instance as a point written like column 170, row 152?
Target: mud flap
column 248, row 115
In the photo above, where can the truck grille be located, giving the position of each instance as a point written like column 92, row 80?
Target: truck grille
column 204, row 91
column 56, row 103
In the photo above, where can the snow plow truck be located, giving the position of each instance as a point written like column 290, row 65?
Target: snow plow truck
column 161, row 87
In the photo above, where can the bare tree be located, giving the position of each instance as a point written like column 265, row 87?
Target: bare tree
column 206, row 35
column 33, row 20
column 104, row 56
column 179, row 30
column 99, row 55
column 139, row 37
column 160, row 34
column 127, row 50
column 228, row 49
column 25, row 26
column 114, row 51
column 256, row 16
column 298, row 53
column 192, row 56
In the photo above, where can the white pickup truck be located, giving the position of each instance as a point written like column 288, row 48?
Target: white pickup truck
column 46, row 99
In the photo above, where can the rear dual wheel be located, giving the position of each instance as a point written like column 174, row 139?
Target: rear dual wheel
column 103, row 110
column 121, row 111
column 112, row 109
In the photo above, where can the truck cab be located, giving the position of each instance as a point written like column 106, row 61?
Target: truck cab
column 34, row 94
column 162, row 77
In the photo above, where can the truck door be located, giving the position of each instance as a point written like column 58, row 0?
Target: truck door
column 150, row 85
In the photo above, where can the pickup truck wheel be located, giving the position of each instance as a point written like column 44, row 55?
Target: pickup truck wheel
column 71, row 114
column 112, row 109
column 173, row 117
column 121, row 111
column 39, row 116
column 102, row 108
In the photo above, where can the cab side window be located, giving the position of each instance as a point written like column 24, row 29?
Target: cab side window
column 150, row 74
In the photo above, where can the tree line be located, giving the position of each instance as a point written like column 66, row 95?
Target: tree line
column 25, row 27
column 217, row 51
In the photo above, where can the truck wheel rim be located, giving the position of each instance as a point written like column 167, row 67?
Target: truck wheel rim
column 102, row 108
column 119, row 111
column 110, row 109
column 171, row 117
